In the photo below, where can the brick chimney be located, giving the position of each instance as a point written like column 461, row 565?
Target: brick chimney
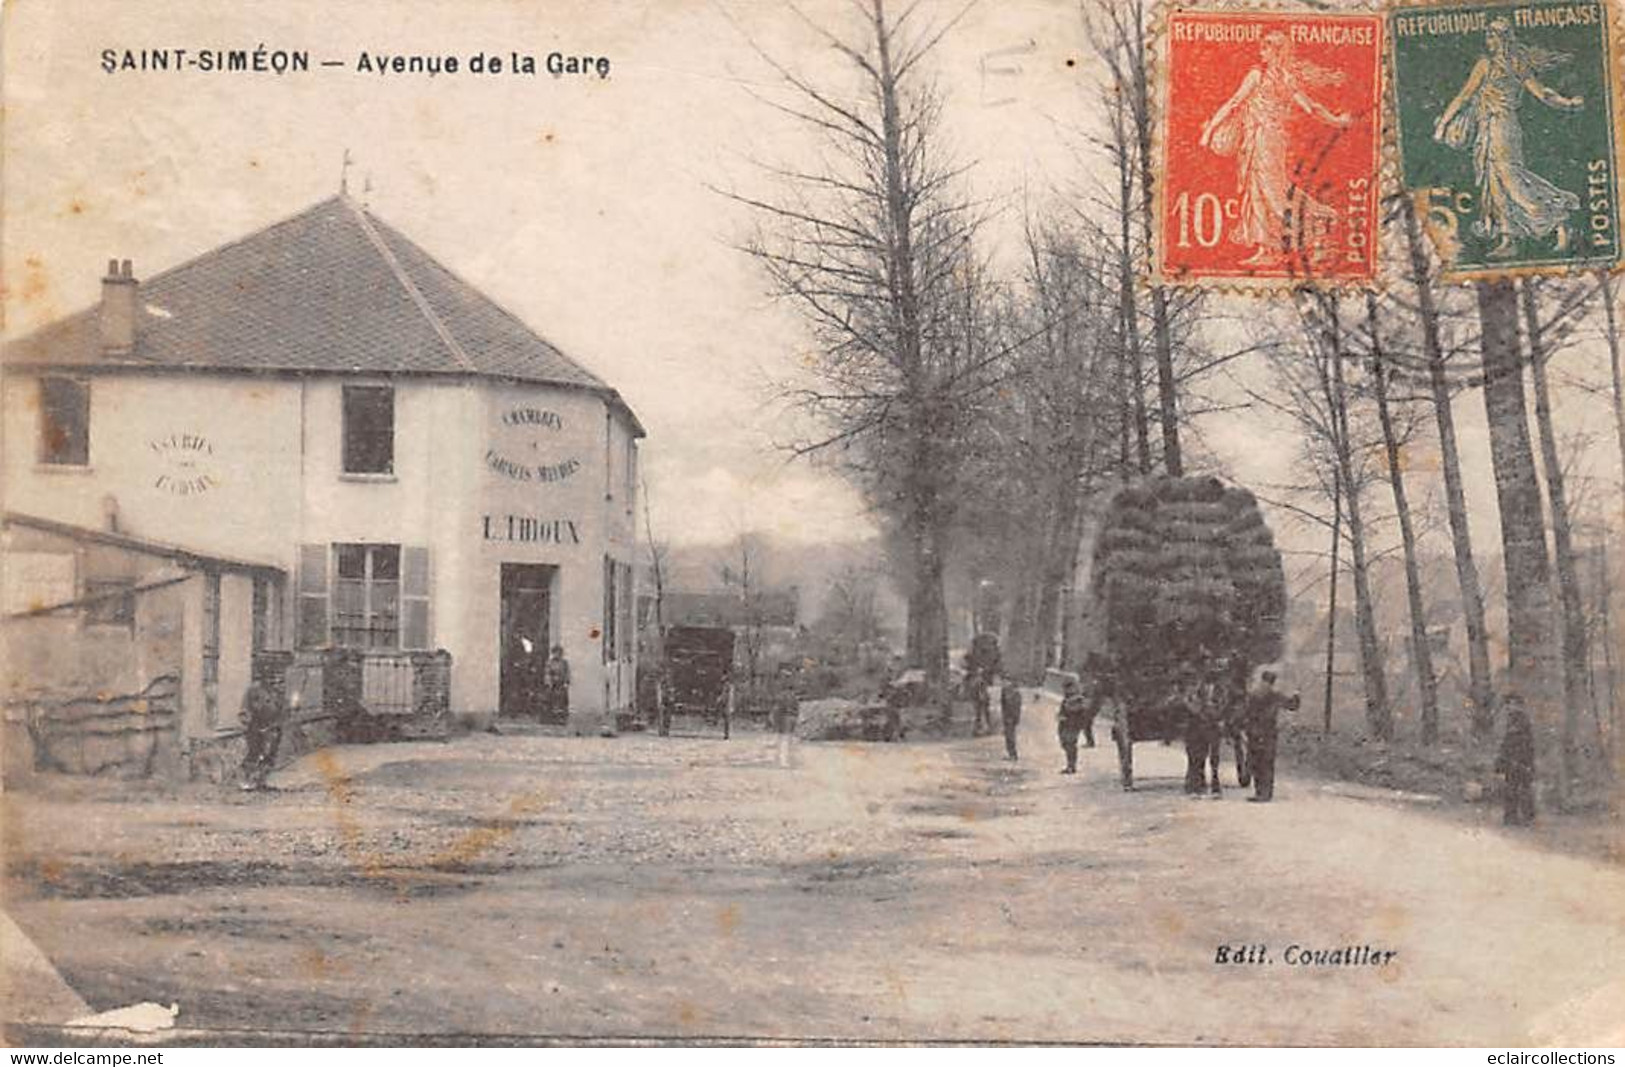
column 117, row 316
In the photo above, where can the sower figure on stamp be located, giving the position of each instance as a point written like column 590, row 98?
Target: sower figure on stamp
column 1069, row 724
column 1516, row 764
column 1514, row 201
column 1255, row 126
column 262, row 730
column 1010, row 712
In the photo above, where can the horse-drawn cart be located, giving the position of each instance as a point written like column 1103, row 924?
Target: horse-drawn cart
column 698, row 676
column 1189, row 596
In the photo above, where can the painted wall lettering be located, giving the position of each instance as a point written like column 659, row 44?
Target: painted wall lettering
column 522, row 443
column 185, row 464
column 531, row 529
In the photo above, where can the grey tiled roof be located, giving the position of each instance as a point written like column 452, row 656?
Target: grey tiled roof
column 331, row 290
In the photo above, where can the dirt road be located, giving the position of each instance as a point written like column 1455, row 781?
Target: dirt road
column 688, row 887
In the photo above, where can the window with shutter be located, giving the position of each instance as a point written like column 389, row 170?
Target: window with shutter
column 313, row 596
column 608, row 644
column 415, row 597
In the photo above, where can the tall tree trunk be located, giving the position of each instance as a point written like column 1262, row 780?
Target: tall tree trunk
column 929, row 607
column 1575, row 647
column 1128, row 314
column 1059, row 557
column 1421, row 650
column 1481, row 691
column 930, row 537
column 1517, row 488
column 1162, row 333
column 1378, row 715
column 1331, row 606
column 1610, row 293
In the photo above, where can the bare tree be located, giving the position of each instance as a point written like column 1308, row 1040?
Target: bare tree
column 1311, row 388
column 1481, row 691
column 744, row 576
column 1517, row 487
column 1117, row 28
column 874, row 247
column 1610, row 298
column 1421, row 646
column 1575, row 651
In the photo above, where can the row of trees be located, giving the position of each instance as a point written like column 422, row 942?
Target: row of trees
column 977, row 412
column 981, row 411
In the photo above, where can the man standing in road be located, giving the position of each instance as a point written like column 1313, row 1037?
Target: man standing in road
column 1010, row 712
column 262, row 730
column 1069, row 723
column 1264, row 704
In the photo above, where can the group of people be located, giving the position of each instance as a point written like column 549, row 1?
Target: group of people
column 1208, row 705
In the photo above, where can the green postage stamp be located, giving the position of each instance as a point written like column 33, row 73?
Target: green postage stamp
column 1507, row 133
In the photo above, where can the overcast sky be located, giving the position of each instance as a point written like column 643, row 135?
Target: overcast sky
column 582, row 204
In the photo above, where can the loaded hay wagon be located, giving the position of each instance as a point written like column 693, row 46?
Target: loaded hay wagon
column 1186, row 582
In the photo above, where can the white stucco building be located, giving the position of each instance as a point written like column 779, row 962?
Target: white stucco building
column 323, row 398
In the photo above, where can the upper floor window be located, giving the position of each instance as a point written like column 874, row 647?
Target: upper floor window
column 110, row 601
column 369, row 429
column 64, row 422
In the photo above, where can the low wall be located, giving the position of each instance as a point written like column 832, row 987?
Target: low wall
column 129, row 735
column 220, row 758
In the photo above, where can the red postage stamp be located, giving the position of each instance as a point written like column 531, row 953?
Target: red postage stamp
column 1270, row 148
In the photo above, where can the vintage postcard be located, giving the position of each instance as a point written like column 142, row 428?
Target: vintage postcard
column 553, row 522
column 1508, row 133
column 1270, row 146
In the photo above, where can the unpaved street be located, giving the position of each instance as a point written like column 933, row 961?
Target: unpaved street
column 687, row 887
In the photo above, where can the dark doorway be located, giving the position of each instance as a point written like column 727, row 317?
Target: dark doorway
column 527, row 602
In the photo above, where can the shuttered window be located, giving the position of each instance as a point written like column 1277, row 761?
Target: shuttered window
column 364, row 596
column 211, row 647
column 624, row 623
column 610, row 614
column 366, row 609
column 313, row 596
column 415, row 598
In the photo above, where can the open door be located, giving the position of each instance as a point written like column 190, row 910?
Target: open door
column 527, row 609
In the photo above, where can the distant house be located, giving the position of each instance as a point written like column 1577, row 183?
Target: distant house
column 325, row 398
column 769, row 608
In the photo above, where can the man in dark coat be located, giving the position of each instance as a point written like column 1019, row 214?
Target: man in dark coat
column 1010, row 712
column 1262, row 725
column 1516, row 764
column 1069, row 723
column 262, row 730
column 556, row 686
column 1202, row 729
